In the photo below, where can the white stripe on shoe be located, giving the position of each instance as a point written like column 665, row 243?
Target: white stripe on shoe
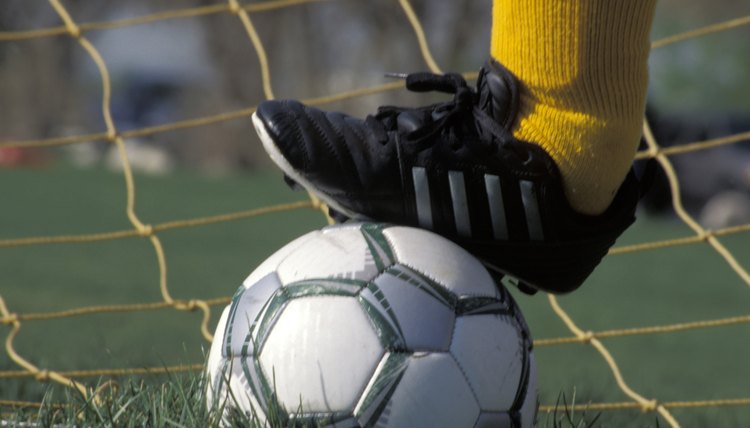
column 497, row 206
column 460, row 204
column 529, row 197
column 422, row 197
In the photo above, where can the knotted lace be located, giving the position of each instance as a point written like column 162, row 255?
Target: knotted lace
column 460, row 120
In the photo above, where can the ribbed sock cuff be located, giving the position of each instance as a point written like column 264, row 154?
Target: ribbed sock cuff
column 583, row 72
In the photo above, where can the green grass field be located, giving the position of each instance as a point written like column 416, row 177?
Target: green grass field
column 657, row 287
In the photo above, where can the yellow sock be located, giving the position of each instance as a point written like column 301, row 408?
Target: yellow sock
column 582, row 65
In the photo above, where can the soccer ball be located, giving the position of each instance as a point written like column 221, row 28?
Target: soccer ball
column 362, row 325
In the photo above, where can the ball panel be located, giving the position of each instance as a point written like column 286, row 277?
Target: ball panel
column 530, row 404
column 441, row 260
column 272, row 263
column 327, row 364
column 233, row 392
column 244, row 313
column 490, row 351
column 432, row 393
column 424, row 283
column 378, row 244
column 494, row 420
column 336, row 328
column 216, row 359
column 472, row 305
column 383, row 321
column 338, row 252
column 260, row 387
column 324, row 287
column 381, row 387
column 398, row 292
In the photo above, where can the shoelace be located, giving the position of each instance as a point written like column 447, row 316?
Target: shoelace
column 457, row 117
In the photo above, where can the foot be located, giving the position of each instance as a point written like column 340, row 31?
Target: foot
column 453, row 168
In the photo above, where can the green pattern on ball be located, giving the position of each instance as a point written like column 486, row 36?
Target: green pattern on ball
column 422, row 282
column 267, row 319
column 382, row 388
column 379, row 247
column 230, row 320
column 385, row 324
column 474, row 305
column 324, row 287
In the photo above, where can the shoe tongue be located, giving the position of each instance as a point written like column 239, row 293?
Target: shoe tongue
column 496, row 95
column 410, row 121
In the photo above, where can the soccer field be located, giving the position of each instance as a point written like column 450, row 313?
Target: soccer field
column 656, row 287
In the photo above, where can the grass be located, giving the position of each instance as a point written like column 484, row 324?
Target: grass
column 180, row 402
column 657, row 287
column 177, row 402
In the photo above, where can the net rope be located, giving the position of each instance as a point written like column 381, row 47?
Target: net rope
column 139, row 230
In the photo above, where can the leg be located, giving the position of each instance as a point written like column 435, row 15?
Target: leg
column 583, row 71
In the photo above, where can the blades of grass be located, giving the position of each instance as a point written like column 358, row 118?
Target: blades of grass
column 555, row 411
column 571, row 411
column 124, row 407
column 186, row 408
column 596, row 418
column 173, row 423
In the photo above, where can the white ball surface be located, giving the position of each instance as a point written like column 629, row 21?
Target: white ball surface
column 367, row 324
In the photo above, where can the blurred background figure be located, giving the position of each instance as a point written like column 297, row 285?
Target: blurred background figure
column 714, row 183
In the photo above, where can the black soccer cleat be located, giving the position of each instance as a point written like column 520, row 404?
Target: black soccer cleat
column 453, row 168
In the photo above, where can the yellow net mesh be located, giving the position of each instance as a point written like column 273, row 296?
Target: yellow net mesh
column 244, row 12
